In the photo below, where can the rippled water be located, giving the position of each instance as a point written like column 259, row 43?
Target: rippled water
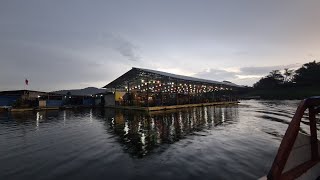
column 218, row 142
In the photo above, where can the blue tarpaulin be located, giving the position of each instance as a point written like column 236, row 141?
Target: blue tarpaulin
column 8, row 100
column 54, row 103
column 88, row 102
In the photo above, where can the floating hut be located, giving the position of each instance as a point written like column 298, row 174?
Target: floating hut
column 20, row 97
column 146, row 89
column 25, row 100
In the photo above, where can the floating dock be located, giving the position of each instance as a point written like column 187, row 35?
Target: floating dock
column 163, row 108
column 42, row 108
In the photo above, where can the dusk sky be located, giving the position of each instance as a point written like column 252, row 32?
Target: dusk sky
column 75, row 44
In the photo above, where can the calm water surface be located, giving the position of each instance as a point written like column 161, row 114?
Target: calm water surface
column 221, row 142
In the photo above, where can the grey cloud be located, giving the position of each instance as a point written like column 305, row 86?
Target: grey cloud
column 311, row 55
column 49, row 68
column 262, row 70
column 95, row 64
column 123, row 46
column 222, row 75
column 252, row 73
column 216, row 74
column 70, row 43
column 241, row 53
column 56, row 63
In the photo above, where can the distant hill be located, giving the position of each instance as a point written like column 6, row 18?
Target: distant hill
column 86, row 91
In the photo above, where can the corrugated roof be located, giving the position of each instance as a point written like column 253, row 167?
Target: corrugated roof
column 138, row 71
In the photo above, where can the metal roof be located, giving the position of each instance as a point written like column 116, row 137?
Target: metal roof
column 135, row 73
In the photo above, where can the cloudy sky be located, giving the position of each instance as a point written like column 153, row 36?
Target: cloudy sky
column 70, row 44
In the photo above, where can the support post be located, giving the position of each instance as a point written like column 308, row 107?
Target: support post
column 147, row 92
column 213, row 98
column 197, row 95
column 177, row 100
column 128, row 95
column 213, row 91
column 115, row 100
column 313, row 134
column 188, row 92
column 161, row 94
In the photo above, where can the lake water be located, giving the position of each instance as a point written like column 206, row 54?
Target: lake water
column 217, row 142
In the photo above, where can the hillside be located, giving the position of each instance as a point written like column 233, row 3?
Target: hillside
column 86, row 91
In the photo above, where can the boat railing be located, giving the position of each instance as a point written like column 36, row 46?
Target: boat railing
column 278, row 170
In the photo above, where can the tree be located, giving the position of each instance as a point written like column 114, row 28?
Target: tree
column 288, row 74
column 274, row 79
column 276, row 74
column 308, row 74
column 266, row 83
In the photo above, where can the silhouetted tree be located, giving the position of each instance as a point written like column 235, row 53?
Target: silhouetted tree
column 275, row 78
column 288, row 75
column 276, row 74
column 308, row 74
column 265, row 82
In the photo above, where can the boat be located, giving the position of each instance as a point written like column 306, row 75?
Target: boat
column 298, row 154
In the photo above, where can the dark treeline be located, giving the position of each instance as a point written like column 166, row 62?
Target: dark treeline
column 307, row 75
column 289, row 84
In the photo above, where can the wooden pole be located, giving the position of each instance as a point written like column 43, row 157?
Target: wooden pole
column 115, row 100
column 147, row 92
column 128, row 95
column 177, row 100
column 313, row 134
column 197, row 97
column 213, row 90
column 161, row 94
column 188, row 92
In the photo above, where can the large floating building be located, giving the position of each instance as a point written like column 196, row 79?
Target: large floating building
column 155, row 90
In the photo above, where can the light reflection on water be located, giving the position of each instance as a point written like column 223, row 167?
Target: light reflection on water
column 142, row 132
column 221, row 142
